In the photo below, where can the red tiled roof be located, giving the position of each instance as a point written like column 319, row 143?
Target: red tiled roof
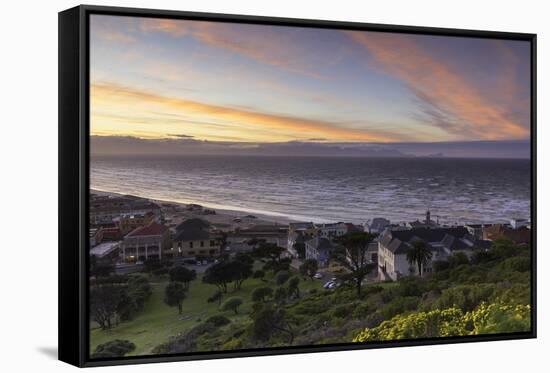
column 149, row 230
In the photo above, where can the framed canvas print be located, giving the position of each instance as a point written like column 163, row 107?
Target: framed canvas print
column 235, row 186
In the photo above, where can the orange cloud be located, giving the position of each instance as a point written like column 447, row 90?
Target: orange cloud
column 271, row 48
column 453, row 103
column 115, row 36
column 124, row 97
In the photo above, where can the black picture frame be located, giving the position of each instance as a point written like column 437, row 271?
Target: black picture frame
column 74, row 181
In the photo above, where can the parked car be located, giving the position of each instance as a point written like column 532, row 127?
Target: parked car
column 329, row 284
column 318, row 276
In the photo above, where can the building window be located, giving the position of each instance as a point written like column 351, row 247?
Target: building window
column 212, row 243
column 191, row 244
column 191, row 253
column 202, row 243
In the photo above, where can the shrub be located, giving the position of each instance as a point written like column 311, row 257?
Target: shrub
column 260, row 294
column 232, row 304
column 115, row 348
column 343, row 311
column 465, row 297
column 218, row 320
column 258, row 274
column 281, row 277
column 400, row 305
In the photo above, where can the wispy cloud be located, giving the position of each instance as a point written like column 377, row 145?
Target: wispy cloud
column 105, row 94
column 271, row 47
column 115, row 36
column 447, row 98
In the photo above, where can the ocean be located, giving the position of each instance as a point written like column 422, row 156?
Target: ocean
column 328, row 189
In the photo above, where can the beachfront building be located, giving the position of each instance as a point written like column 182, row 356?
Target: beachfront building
column 106, row 209
column 95, row 236
column 521, row 235
column 332, row 230
column 372, row 252
column 128, row 222
column 194, row 238
column 517, row 223
column 319, row 249
column 296, row 238
column 109, row 250
column 270, row 233
column 377, row 225
column 393, row 246
column 300, row 230
column 147, row 242
column 426, row 223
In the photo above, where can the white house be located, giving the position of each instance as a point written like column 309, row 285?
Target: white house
column 332, row 230
column 393, row 246
column 377, row 225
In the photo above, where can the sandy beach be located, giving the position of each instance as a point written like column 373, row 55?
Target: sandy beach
column 225, row 220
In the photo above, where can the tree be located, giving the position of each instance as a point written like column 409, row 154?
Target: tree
column 183, row 275
column 293, row 287
column 419, row 255
column 352, row 254
column 269, row 251
column 260, row 294
column 309, row 268
column 269, row 320
column 116, row 348
column 280, row 296
column 139, row 289
column 259, row 274
column 174, row 295
column 300, row 248
column 276, row 266
column 219, row 274
column 281, row 277
column 216, row 297
column 232, row 304
column 100, row 268
column 152, row 265
column 104, row 303
column 240, row 269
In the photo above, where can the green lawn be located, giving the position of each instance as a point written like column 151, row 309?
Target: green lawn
column 158, row 322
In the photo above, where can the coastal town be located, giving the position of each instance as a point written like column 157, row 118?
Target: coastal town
column 128, row 231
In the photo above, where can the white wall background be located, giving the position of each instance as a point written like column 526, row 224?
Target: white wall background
column 28, row 184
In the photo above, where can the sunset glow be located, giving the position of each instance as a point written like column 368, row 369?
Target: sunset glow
column 157, row 79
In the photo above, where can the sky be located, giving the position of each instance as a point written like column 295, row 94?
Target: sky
column 247, row 85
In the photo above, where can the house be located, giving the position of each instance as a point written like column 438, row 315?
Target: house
column 271, row 233
column 305, row 230
column 377, row 225
column 106, row 250
column 372, row 252
column 319, row 248
column 475, row 230
column 112, row 234
column 129, row 222
column 147, row 242
column 194, row 238
column 521, row 235
column 106, row 209
column 517, row 223
column 296, row 238
column 426, row 223
column 96, row 236
column 393, row 246
column 332, row 230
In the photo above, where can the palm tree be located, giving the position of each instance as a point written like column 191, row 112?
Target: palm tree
column 419, row 254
